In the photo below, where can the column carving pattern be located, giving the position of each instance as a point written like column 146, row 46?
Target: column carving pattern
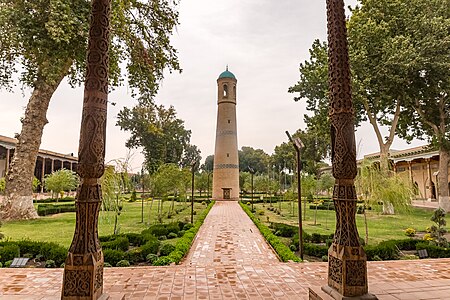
column 347, row 272
column 83, row 271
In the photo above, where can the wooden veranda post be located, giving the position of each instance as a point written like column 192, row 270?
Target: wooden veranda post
column 83, row 270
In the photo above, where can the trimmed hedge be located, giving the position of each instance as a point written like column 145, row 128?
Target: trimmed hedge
column 51, row 200
column 120, row 243
column 51, row 209
column 283, row 251
column 433, row 250
column 47, row 251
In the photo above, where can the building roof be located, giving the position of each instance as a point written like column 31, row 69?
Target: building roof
column 227, row 74
column 410, row 154
column 10, row 143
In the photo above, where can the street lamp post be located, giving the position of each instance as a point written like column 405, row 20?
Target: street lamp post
column 298, row 145
column 192, row 192
column 143, row 195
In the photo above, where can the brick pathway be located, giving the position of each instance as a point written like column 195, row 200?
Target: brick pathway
column 229, row 237
column 229, row 262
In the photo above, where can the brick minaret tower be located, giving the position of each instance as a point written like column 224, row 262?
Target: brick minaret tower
column 226, row 161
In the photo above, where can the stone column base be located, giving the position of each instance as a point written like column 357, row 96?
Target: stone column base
column 83, row 277
column 328, row 293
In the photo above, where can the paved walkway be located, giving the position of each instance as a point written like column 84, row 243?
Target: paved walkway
column 230, row 260
column 229, row 237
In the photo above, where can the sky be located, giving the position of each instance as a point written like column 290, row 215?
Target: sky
column 262, row 41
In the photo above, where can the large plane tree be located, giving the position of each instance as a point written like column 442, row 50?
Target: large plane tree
column 44, row 41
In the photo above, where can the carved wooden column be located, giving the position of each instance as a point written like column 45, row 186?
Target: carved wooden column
column 83, row 271
column 347, row 262
column 8, row 160
column 42, row 174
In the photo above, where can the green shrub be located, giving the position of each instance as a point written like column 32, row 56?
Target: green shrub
column 1, row 265
column 107, row 265
column 9, row 252
column 172, row 235
column 284, row 230
column 50, row 209
column 113, row 256
column 164, row 229
column 134, row 256
column 123, row 263
column 166, row 249
column 151, row 258
column 325, row 258
column 162, row 238
column 293, row 247
column 163, row 261
column 181, row 233
column 50, row 263
column 150, row 246
column 187, row 226
column 135, row 239
column 283, row 251
column 8, row 263
column 386, row 250
column 120, row 243
column 433, row 250
column 315, row 250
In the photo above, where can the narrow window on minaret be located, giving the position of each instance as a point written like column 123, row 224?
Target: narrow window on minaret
column 228, row 154
column 225, row 91
column 229, row 121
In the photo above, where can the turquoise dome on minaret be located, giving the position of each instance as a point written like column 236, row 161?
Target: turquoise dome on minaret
column 227, row 74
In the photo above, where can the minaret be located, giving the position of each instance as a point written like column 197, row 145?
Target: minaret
column 226, row 161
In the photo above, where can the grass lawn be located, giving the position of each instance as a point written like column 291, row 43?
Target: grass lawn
column 59, row 228
column 381, row 227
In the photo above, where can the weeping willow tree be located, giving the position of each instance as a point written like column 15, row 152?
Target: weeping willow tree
column 393, row 191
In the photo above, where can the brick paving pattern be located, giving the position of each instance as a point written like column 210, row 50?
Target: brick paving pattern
column 230, row 261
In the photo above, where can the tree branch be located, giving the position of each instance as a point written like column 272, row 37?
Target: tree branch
column 424, row 118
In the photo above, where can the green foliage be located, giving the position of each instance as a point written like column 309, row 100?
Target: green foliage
column 113, row 256
column 42, row 250
column 50, row 263
column 133, row 196
column 50, row 209
column 163, row 261
column 257, row 159
column 61, row 180
column 434, row 251
column 9, row 252
column 172, row 235
column 315, row 250
column 151, row 246
column 123, row 263
column 151, row 258
column 283, row 251
column 284, row 230
column 438, row 231
column 169, row 179
column 163, row 229
column 165, row 249
column 35, row 184
column 375, row 186
column 2, row 184
column 158, row 131
column 120, row 243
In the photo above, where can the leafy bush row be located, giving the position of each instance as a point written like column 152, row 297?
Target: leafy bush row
column 51, row 200
column 50, row 209
column 31, row 249
column 283, row 251
column 148, row 247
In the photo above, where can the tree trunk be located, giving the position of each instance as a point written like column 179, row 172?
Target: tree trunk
column 443, row 184
column 384, row 158
column 18, row 202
